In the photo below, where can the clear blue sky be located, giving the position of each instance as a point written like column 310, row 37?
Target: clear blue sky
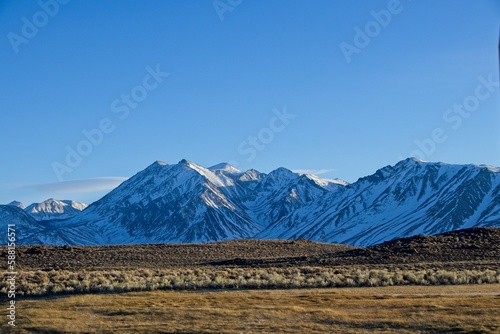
column 229, row 68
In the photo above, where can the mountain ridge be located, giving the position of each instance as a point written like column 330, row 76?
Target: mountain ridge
column 51, row 209
column 188, row 203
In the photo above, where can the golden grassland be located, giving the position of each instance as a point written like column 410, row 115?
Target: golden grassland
column 394, row 309
column 38, row 283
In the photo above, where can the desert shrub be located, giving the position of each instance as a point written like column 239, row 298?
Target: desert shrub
column 53, row 282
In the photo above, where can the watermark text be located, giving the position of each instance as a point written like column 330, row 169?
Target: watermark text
column 121, row 107
column 11, row 274
column 30, row 27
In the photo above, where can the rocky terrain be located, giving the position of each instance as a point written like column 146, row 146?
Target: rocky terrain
column 474, row 248
column 166, row 255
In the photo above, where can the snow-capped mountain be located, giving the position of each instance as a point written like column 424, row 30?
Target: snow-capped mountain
column 168, row 203
column 27, row 229
column 186, row 202
column 281, row 193
column 412, row 197
column 54, row 209
column 17, row 204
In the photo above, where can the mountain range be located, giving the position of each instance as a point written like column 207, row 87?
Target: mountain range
column 52, row 209
column 188, row 203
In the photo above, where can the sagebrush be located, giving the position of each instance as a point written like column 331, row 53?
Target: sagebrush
column 33, row 283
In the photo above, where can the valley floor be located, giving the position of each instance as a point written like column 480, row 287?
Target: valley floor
column 401, row 309
column 449, row 283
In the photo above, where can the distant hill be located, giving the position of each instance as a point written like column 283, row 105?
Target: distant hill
column 475, row 248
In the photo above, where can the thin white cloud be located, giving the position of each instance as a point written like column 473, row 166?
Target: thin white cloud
column 79, row 186
column 313, row 171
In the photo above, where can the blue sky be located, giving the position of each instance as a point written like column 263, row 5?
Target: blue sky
column 337, row 87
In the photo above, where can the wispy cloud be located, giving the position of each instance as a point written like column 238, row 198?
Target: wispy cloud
column 313, row 171
column 79, row 186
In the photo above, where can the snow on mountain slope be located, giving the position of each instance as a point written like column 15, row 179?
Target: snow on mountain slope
column 17, row 204
column 54, row 209
column 27, row 229
column 280, row 193
column 329, row 185
column 225, row 167
column 167, row 203
column 186, row 202
column 410, row 198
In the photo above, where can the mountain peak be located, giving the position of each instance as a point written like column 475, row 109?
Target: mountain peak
column 158, row 163
column 226, row 167
column 54, row 209
column 328, row 184
column 155, row 165
column 252, row 175
column 412, row 161
column 17, row 204
column 161, row 163
column 192, row 165
column 415, row 159
column 282, row 171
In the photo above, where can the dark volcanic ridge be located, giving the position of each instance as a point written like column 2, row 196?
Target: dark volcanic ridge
column 157, row 256
column 474, row 248
column 479, row 247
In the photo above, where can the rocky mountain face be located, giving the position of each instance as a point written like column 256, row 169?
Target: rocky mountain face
column 188, row 203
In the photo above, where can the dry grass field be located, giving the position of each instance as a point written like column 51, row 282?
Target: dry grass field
column 449, row 283
column 403, row 309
